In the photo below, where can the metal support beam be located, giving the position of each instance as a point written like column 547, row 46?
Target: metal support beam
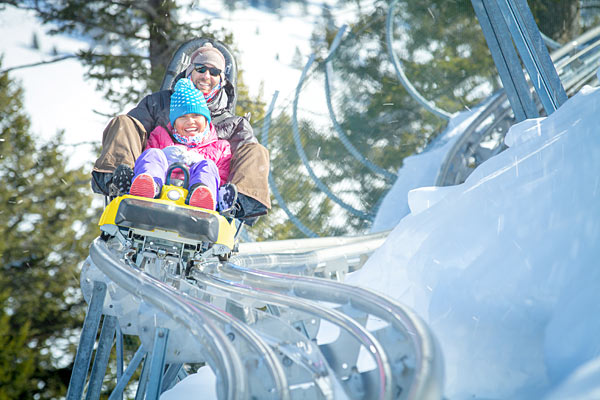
column 128, row 373
column 86, row 342
column 509, row 23
column 506, row 59
column 143, row 381
column 119, row 349
column 534, row 53
column 158, row 363
column 102, row 355
column 170, row 377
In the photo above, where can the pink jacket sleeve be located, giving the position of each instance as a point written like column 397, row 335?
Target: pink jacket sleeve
column 157, row 137
column 224, row 160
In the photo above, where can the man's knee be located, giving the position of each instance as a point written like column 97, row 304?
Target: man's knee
column 123, row 141
column 249, row 171
column 126, row 128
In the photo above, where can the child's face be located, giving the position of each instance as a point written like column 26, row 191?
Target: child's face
column 190, row 124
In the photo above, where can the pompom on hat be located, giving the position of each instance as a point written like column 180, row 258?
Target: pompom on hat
column 206, row 54
column 186, row 99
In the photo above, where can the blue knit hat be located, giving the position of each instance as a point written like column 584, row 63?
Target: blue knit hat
column 186, row 99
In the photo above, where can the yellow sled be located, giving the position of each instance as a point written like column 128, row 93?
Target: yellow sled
column 169, row 219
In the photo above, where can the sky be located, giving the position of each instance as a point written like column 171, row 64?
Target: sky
column 502, row 268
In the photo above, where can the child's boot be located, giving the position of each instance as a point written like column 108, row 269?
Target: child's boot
column 201, row 196
column 144, row 185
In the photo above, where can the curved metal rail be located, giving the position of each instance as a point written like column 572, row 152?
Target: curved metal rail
column 305, row 245
column 414, row 93
column 336, row 126
column 266, row 346
column 403, row 327
column 219, row 352
column 272, row 184
column 200, row 319
column 483, row 138
column 258, row 330
column 380, row 384
column 302, row 154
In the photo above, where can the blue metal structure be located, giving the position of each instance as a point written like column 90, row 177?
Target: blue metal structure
column 507, row 24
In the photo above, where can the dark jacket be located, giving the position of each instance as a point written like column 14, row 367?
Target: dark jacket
column 153, row 111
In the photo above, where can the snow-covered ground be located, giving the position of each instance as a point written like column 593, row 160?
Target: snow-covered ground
column 502, row 267
column 56, row 96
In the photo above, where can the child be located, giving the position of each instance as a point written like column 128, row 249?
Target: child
column 190, row 138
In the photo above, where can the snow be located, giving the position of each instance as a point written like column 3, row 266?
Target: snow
column 44, row 85
column 419, row 170
column 267, row 44
column 502, row 268
column 204, row 381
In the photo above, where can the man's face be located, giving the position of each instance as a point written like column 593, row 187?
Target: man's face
column 205, row 81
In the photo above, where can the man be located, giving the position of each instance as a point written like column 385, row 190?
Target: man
column 125, row 137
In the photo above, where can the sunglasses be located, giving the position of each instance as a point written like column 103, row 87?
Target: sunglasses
column 201, row 68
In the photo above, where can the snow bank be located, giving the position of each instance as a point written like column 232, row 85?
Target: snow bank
column 504, row 266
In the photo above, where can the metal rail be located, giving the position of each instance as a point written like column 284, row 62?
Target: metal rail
column 414, row 344
column 300, row 150
column 272, row 184
column 353, row 336
column 336, row 126
column 257, row 329
column 412, row 91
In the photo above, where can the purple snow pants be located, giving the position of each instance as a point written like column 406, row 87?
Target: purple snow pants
column 154, row 162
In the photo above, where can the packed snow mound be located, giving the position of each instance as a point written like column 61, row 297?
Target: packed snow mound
column 504, row 266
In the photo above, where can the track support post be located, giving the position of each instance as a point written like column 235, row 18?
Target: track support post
column 86, row 342
column 507, row 24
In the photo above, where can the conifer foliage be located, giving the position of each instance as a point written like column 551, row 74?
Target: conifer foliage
column 46, row 226
column 444, row 55
column 131, row 42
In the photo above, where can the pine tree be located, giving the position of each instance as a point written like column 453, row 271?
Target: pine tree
column 133, row 41
column 47, row 224
column 444, row 55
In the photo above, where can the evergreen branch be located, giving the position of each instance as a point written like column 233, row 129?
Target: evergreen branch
column 137, row 6
column 53, row 15
column 85, row 143
column 102, row 27
column 103, row 114
column 38, row 63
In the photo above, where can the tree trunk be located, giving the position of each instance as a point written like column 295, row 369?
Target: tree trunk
column 558, row 19
column 160, row 25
